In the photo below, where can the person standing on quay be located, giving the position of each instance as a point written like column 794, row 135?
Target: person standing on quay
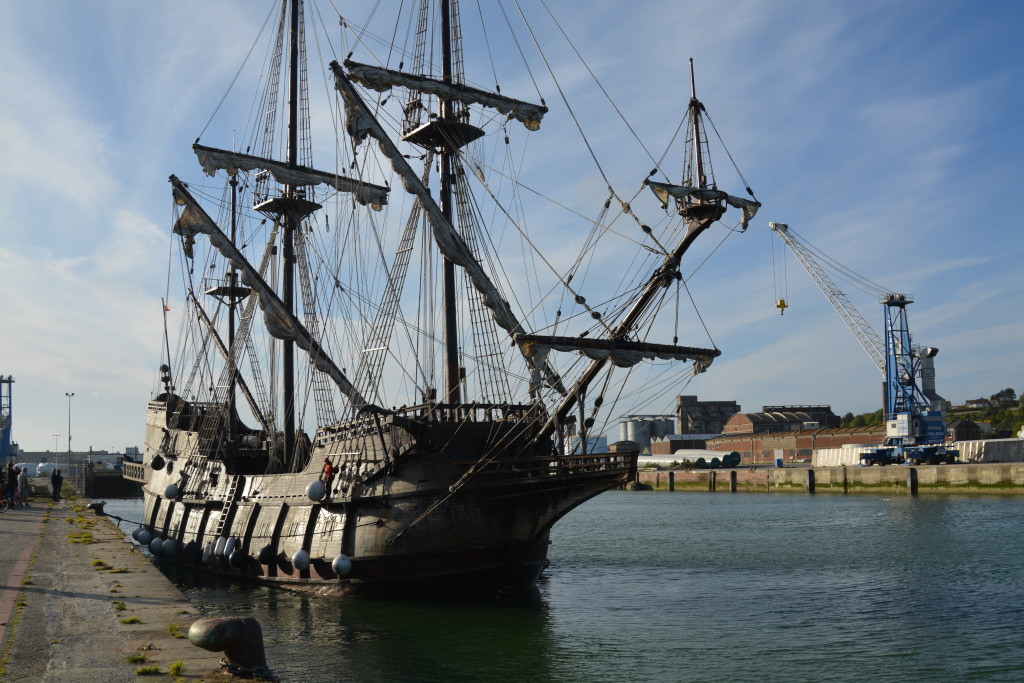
column 10, row 483
column 56, row 481
column 23, row 486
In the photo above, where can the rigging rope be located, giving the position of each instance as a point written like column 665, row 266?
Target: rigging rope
column 565, row 100
column 596, row 81
column 237, row 74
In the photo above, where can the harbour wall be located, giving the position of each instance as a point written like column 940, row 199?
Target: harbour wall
column 983, row 478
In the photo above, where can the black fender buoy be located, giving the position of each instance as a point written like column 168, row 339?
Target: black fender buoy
column 266, row 555
column 237, row 558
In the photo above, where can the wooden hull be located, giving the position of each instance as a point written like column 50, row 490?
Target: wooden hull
column 402, row 514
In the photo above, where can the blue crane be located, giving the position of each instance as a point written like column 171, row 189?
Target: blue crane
column 914, row 413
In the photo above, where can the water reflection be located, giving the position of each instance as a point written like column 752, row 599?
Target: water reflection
column 312, row 637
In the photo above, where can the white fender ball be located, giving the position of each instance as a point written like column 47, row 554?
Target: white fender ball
column 229, row 546
column 316, row 490
column 342, row 565
column 218, row 546
column 171, row 491
column 155, row 545
column 208, row 553
column 301, row 560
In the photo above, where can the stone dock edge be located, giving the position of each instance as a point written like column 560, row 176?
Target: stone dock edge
column 86, row 605
column 988, row 478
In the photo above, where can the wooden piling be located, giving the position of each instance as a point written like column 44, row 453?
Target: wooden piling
column 810, row 480
column 671, row 481
column 712, row 476
column 732, row 481
column 846, row 481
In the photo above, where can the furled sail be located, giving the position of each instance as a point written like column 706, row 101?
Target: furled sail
column 381, row 80
column 619, row 352
column 280, row 323
column 748, row 208
column 360, row 124
column 213, row 160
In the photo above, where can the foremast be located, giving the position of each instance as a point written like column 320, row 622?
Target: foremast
column 700, row 203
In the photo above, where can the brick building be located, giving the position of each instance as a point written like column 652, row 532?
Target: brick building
column 791, row 444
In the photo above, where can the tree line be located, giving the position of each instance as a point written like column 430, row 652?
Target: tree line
column 1005, row 411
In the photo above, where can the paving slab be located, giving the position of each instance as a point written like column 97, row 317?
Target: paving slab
column 70, row 582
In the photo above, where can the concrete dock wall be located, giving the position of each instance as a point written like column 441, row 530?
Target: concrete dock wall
column 982, row 478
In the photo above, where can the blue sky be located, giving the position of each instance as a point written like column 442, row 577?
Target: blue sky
column 889, row 134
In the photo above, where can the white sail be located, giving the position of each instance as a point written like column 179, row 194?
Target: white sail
column 213, row 160
column 381, row 80
column 664, row 191
column 279, row 321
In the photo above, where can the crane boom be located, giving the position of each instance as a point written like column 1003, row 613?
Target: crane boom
column 867, row 337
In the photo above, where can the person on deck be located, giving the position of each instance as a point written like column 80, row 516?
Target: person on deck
column 327, row 476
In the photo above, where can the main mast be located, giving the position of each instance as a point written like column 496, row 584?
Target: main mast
column 291, row 208
column 290, row 223
column 452, row 392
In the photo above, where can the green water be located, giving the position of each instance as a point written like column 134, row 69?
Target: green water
column 697, row 587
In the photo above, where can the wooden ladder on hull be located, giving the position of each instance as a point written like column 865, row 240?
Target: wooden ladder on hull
column 228, row 506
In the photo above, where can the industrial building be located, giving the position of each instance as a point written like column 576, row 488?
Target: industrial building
column 791, row 445
column 641, row 429
column 782, row 419
column 702, row 417
column 694, row 422
column 667, row 445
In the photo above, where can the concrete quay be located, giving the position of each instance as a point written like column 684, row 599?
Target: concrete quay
column 78, row 600
column 988, row 478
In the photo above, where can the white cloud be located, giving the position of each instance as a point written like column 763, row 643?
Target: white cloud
column 864, row 128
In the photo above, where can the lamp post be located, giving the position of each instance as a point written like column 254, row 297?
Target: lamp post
column 69, row 395
column 55, row 439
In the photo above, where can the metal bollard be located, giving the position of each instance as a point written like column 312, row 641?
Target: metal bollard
column 239, row 638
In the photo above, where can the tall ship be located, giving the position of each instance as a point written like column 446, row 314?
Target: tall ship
column 392, row 363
